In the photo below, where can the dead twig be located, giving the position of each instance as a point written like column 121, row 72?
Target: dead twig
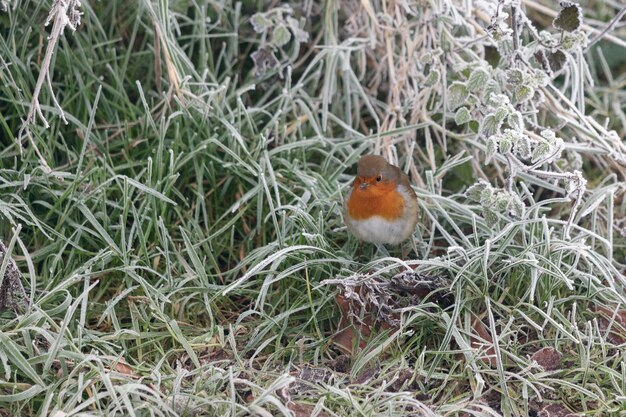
column 63, row 13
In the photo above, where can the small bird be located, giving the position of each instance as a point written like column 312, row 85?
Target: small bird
column 381, row 207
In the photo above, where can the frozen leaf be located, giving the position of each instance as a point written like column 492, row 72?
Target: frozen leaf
column 474, row 192
column 501, row 113
column 541, row 151
column 517, row 207
column 300, row 35
column 522, row 147
column 281, row 36
column 569, row 18
column 491, row 218
column 487, row 197
column 548, row 135
column 473, row 101
column 498, row 100
column 492, row 88
column 548, row 358
column 556, row 60
column 457, row 94
column 502, row 201
column 515, row 120
column 478, row 80
column 515, row 77
column 264, row 60
column 260, row 23
column 574, row 160
column 462, row 116
column 490, row 125
column 505, row 145
column 524, row 92
column 433, row 78
column 492, row 148
column 539, row 78
column 427, row 58
column 474, row 126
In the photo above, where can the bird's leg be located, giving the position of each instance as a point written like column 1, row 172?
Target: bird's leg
column 405, row 252
column 408, row 247
column 359, row 249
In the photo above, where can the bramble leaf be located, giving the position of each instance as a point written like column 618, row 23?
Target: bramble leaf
column 457, row 94
column 462, row 116
column 570, row 18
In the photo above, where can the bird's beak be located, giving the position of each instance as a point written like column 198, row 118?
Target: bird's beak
column 363, row 185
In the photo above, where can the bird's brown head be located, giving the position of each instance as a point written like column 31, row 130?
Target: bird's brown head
column 375, row 176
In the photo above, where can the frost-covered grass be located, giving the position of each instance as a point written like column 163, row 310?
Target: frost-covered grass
column 181, row 238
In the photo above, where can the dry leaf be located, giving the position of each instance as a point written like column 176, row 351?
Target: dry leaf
column 124, row 368
column 484, row 340
column 617, row 333
column 304, row 410
column 548, row 358
column 555, row 410
column 370, row 303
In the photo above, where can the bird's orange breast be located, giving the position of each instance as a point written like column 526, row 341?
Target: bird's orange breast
column 382, row 200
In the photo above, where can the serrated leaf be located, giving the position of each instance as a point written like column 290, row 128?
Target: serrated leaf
column 487, row 197
column 501, row 113
column 524, row 92
column 492, row 148
column 264, row 60
column 490, row 125
column 474, row 126
column 281, row 36
column 299, row 34
column 433, row 78
column 569, row 18
column 474, row 192
column 505, row 146
column 515, row 77
column 260, row 23
column 502, row 201
column 515, row 120
column 457, row 94
column 492, row 88
column 541, row 151
column 548, row 135
column 539, row 78
column 478, row 80
column 556, row 60
column 491, row 218
column 517, row 207
column 462, row 116
column 522, row 147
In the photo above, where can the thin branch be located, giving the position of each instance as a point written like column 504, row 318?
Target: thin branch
column 609, row 27
column 63, row 13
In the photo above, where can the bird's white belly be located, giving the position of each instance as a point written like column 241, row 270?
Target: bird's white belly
column 379, row 230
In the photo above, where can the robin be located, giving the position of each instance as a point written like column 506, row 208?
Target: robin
column 381, row 206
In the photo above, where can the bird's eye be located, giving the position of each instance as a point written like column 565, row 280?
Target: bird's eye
column 379, row 178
